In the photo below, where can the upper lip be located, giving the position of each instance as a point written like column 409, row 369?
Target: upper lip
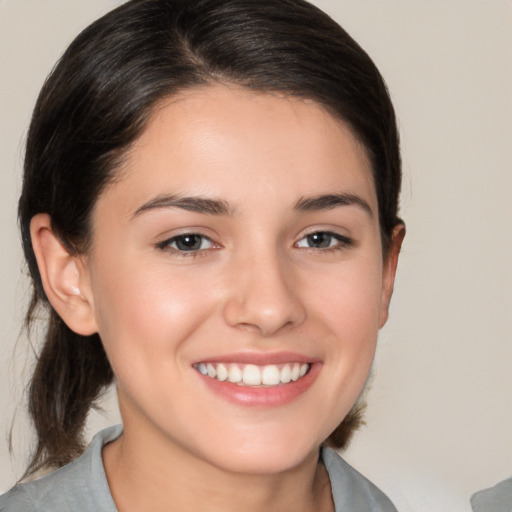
column 260, row 358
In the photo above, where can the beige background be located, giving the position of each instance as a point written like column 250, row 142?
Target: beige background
column 439, row 424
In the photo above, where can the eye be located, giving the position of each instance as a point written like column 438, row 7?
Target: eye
column 188, row 242
column 323, row 240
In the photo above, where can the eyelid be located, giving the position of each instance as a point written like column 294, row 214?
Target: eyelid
column 344, row 241
column 165, row 243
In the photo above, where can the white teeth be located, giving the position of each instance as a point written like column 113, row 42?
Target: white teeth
column 211, row 371
column 252, row 375
column 270, row 376
column 286, row 374
column 222, row 372
column 235, row 374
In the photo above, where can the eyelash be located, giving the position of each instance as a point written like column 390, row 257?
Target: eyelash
column 167, row 245
column 341, row 242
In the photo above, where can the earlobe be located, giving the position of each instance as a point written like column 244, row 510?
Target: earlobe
column 389, row 271
column 63, row 276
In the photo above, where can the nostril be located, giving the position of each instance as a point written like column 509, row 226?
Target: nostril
column 267, row 319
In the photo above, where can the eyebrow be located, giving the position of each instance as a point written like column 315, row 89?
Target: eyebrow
column 330, row 201
column 220, row 207
column 193, row 204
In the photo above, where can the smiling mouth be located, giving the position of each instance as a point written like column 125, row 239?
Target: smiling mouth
column 254, row 375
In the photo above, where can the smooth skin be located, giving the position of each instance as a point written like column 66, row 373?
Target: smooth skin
column 216, row 239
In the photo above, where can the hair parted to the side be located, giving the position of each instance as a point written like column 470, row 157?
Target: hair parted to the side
column 96, row 103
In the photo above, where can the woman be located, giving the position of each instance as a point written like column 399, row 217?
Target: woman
column 210, row 214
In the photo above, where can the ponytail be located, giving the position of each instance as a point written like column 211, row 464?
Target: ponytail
column 351, row 423
column 71, row 373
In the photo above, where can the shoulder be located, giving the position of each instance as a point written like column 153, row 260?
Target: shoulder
column 81, row 485
column 350, row 489
column 495, row 499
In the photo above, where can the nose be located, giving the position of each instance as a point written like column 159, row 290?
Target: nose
column 264, row 296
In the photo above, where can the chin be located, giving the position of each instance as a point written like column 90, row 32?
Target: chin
column 269, row 462
column 261, row 454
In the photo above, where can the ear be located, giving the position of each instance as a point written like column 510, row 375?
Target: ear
column 64, row 277
column 389, row 271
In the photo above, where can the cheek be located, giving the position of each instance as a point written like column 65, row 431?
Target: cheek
column 349, row 299
column 144, row 312
column 347, row 306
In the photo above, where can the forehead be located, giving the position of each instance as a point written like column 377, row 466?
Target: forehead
column 220, row 140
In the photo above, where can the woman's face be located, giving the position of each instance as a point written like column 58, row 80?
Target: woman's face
column 237, row 279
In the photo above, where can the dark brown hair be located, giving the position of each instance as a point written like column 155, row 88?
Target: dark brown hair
column 96, row 103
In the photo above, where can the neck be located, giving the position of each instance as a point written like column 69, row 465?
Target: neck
column 144, row 476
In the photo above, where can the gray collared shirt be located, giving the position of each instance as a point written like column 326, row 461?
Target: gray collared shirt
column 495, row 499
column 82, row 485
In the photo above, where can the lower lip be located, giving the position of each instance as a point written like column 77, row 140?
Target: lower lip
column 273, row 396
